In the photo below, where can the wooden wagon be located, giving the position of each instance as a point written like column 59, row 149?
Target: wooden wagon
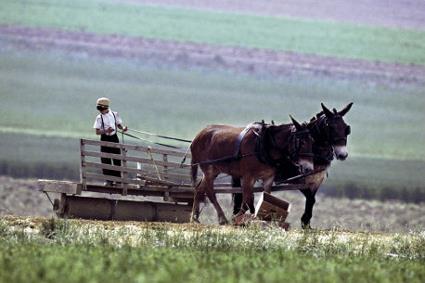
column 154, row 185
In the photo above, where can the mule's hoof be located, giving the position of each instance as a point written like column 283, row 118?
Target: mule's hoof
column 194, row 220
column 223, row 221
column 242, row 219
column 306, row 226
column 239, row 214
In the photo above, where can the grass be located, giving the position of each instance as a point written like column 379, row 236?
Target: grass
column 58, row 91
column 218, row 28
column 40, row 250
column 48, row 98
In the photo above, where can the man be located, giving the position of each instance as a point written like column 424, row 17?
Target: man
column 106, row 125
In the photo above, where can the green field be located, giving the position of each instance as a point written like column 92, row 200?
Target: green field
column 218, row 28
column 48, row 103
column 35, row 250
column 48, row 97
column 42, row 94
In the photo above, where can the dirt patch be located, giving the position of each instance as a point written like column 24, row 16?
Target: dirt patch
column 187, row 55
column 20, row 197
column 400, row 14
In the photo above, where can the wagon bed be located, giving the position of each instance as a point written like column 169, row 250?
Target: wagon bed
column 154, row 185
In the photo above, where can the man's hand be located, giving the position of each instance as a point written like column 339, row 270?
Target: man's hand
column 123, row 128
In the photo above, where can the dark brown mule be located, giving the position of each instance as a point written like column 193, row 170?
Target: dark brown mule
column 330, row 133
column 213, row 149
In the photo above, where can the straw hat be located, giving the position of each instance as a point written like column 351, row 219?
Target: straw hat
column 103, row 101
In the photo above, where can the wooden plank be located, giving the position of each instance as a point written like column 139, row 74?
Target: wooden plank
column 152, row 177
column 136, row 148
column 102, row 177
column 58, row 186
column 288, row 187
column 141, row 182
column 82, row 159
column 165, row 167
column 87, row 165
column 281, row 203
column 271, row 208
column 150, row 191
column 159, row 182
column 172, row 188
column 134, row 159
column 125, row 172
column 230, row 190
column 142, row 173
column 114, row 209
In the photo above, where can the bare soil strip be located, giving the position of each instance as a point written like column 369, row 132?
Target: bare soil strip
column 396, row 13
column 21, row 197
column 186, row 55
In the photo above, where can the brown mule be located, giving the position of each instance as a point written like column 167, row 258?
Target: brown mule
column 330, row 133
column 262, row 149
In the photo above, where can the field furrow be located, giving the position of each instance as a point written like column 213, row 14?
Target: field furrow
column 247, row 60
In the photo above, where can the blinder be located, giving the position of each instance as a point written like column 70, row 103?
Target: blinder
column 347, row 130
column 330, row 136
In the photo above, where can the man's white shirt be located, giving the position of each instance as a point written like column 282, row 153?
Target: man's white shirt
column 108, row 122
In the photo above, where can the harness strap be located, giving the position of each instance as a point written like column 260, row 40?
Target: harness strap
column 323, row 152
column 241, row 136
column 260, row 149
column 115, row 121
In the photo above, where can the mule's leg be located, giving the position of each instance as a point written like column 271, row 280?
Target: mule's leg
column 199, row 193
column 310, row 199
column 248, row 194
column 209, row 189
column 237, row 197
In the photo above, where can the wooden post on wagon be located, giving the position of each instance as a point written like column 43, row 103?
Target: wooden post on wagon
column 82, row 171
column 165, row 170
column 124, row 175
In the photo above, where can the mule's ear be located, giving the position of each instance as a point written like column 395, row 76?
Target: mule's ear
column 346, row 109
column 295, row 122
column 327, row 112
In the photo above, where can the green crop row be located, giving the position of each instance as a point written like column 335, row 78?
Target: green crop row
column 218, row 28
column 48, row 102
column 54, row 95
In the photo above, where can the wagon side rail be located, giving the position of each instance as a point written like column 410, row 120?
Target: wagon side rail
column 139, row 164
column 146, row 168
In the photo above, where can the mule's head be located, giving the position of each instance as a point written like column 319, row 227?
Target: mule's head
column 301, row 147
column 337, row 130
